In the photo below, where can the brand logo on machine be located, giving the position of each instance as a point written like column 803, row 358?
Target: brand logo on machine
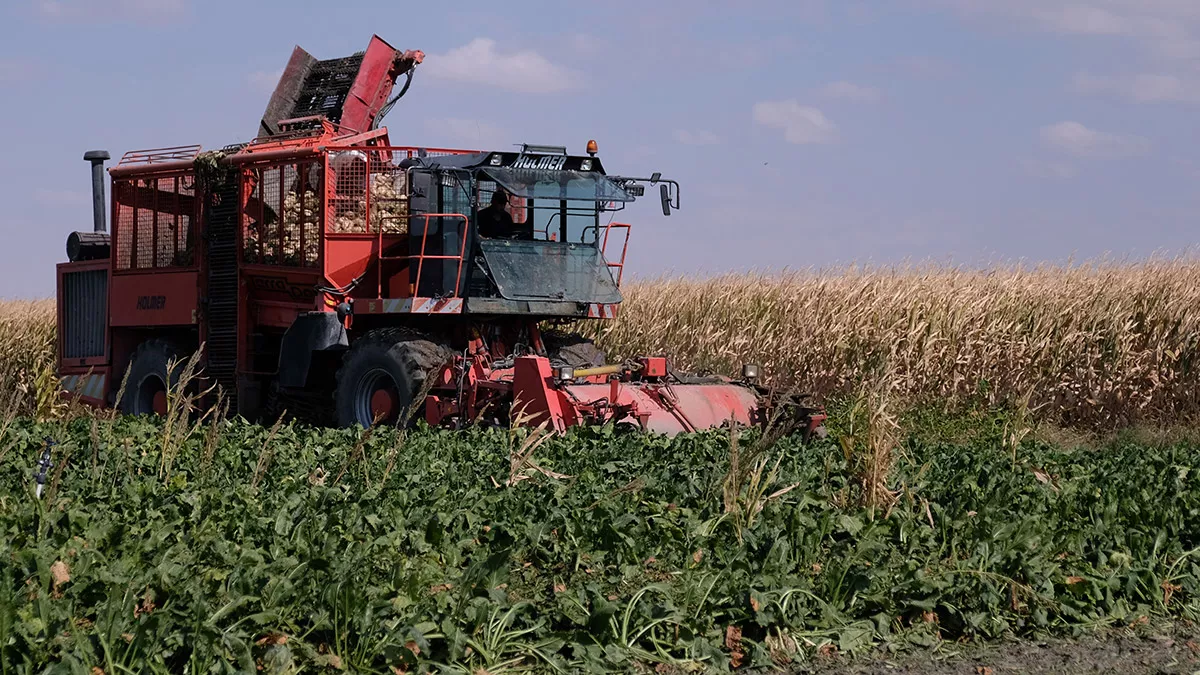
column 281, row 285
column 551, row 163
column 150, row 302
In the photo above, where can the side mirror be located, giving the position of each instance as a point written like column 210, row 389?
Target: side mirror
column 665, row 193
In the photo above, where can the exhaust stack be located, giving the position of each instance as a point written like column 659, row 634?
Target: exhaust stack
column 97, row 158
column 93, row 245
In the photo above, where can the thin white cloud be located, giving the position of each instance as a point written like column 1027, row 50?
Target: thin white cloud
column 480, row 63
column 1079, row 140
column 471, row 134
column 1141, row 88
column 1167, row 29
column 137, row 11
column 800, row 124
column 702, row 137
column 849, row 91
column 1162, row 34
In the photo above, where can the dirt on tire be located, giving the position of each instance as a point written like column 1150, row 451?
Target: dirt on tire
column 408, row 356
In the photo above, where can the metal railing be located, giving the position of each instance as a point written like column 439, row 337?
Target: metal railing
column 423, row 256
column 160, row 155
column 619, row 266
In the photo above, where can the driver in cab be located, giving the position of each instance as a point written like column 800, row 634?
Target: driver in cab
column 495, row 222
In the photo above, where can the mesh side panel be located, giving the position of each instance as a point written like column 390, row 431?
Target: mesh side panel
column 252, row 226
column 85, row 306
column 301, row 214
column 348, row 194
column 167, row 205
column 123, row 225
column 144, row 235
column 282, row 225
column 185, row 244
column 293, row 214
column 153, row 222
column 389, row 198
column 271, row 208
column 311, row 214
column 362, row 178
column 454, row 198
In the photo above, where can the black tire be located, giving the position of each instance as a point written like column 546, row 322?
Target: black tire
column 389, row 357
column 573, row 350
column 148, row 376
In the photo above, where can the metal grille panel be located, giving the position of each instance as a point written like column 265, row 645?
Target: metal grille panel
column 152, row 224
column 368, row 193
column 123, row 223
column 144, row 235
column 281, row 225
column 85, row 308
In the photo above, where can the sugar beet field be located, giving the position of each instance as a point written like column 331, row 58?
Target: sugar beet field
column 996, row 469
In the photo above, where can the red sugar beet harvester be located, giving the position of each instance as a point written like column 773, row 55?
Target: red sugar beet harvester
column 322, row 270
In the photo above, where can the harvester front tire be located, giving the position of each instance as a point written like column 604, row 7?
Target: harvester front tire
column 384, row 370
column 148, row 377
column 574, row 350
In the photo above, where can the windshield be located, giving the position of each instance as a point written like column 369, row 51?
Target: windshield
column 542, row 271
column 570, row 185
column 551, row 219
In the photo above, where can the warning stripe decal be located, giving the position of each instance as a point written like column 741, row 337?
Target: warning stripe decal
column 602, row 311
column 88, row 386
column 411, row 305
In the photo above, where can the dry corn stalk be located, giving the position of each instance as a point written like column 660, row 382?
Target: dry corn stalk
column 1099, row 345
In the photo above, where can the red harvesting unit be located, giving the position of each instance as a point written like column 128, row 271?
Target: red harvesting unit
column 322, row 270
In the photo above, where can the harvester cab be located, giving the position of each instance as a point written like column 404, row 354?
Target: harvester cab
column 323, row 270
column 552, row 243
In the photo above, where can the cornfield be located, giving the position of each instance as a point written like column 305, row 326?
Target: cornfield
column 27, row 341
column 1100, row 345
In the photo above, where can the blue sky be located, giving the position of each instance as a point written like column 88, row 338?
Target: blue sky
column 804, row 132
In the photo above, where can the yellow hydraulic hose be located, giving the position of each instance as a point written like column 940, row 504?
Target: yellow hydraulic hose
column 602, row 370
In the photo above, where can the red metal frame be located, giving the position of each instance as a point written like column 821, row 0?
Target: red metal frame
column 620, row 266
column 381, row 65
column 160, row 155
column 422, row 256
column 642, row 395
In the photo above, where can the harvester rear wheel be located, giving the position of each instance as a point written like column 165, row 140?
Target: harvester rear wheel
column 573, row 350
column 149, row 381
column 382, row 373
